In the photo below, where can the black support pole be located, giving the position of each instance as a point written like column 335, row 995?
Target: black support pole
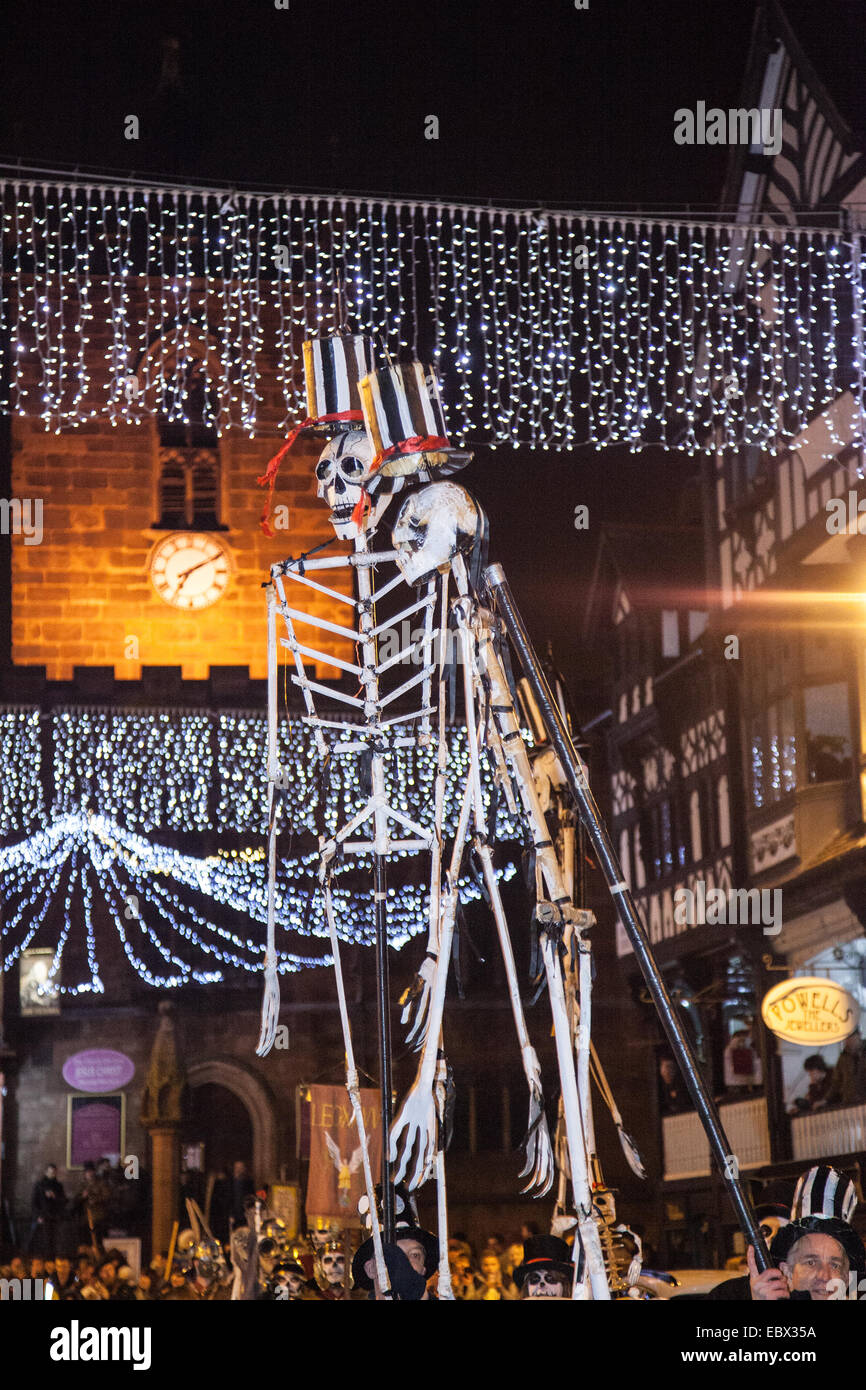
column 383, row 995
column 612, row 870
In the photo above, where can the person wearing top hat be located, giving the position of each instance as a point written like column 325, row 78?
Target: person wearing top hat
column 547, row 1270
column 822, row 1194
column 410, row 1262
column 812, row 1258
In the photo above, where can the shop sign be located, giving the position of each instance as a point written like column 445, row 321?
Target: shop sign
column 809, row 1010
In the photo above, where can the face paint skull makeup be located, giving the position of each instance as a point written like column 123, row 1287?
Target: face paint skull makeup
column 432, row 527
column 544, row 1283
column 330, row 1266
column 292, row 1285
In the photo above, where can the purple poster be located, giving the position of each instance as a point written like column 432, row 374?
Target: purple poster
column 99, row 1069
column 95, row 1129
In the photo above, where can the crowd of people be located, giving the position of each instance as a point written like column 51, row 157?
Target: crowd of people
column 106, row 1198
column 815, row 1253
column 313, row 1268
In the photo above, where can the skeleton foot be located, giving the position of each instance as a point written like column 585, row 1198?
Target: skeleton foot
column 414, row 1132
column 416, row 1004
column 539, row 1167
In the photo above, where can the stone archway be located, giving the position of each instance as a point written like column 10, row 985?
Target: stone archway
column 243, row 1082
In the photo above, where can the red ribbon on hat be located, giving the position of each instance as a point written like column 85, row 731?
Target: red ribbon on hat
column 269, row 478
column 362, row 506
column 418, row 444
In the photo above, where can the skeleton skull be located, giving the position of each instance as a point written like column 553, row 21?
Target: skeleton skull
column 343, row 468
column 432, row 527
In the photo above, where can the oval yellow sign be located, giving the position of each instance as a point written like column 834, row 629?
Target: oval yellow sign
column 809, row 1010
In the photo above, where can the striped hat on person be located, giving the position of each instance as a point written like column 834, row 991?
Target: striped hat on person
column 824, row 1191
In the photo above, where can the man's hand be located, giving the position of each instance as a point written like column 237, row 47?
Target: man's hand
column 770, row 1285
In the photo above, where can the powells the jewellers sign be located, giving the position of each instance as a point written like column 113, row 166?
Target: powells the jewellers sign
column 810, row 1010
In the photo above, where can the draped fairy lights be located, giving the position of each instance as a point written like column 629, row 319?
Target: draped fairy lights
column 549, row 328
column 184, row 917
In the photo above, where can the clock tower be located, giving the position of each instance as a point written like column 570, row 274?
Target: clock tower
column 151, row 552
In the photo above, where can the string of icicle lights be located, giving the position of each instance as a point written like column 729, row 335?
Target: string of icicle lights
column 548, row 328
column 119, row 776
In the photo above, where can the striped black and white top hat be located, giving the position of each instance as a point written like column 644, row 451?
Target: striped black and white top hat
column 406, row 424
column 333, row 369
column 824, row 1191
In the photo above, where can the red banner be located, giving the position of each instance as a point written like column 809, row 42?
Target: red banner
column 336, row 1179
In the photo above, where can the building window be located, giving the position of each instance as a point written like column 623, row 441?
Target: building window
column 637, row 859
column 695, row 825
column 828, row 732
column 670, row 633
column 743, row 465
column 624, row 856
column 697, row 624
column 772, row 739
column 189, row 490
column 724, row 812
column 189, row 466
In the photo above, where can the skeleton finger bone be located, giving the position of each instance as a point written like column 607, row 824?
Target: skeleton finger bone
column 416, row 1003
column 539, row 1166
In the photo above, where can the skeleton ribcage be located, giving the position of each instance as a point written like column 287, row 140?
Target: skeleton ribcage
column 389, row 692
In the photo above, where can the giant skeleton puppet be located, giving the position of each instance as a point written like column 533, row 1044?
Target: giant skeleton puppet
column 411, row 440
column 405, row 436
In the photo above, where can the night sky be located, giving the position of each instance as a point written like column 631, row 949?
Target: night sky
column 537, row 103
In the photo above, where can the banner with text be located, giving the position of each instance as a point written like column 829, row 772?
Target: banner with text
column 336, row 1178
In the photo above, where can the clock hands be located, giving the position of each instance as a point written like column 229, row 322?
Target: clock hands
column 184, row 576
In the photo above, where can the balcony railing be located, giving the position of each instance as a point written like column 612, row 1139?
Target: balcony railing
column 687, row 1150
column 829, row 1132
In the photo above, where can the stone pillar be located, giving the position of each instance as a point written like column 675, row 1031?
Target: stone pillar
column 165, row 1183
column 161, row 1115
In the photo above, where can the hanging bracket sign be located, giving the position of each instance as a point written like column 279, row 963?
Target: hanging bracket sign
column 810, row 1011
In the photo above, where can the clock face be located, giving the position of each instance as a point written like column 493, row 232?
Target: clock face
column 190, row 569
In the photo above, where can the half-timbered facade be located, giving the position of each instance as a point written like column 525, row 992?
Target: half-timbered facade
column 736, row 732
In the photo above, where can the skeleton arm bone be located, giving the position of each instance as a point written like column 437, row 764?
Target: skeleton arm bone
column 416, row 999
column 416, row 1123
column 518, row 758
column 539, row 1166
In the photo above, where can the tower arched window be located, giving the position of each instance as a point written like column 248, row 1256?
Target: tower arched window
column 188, row 484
